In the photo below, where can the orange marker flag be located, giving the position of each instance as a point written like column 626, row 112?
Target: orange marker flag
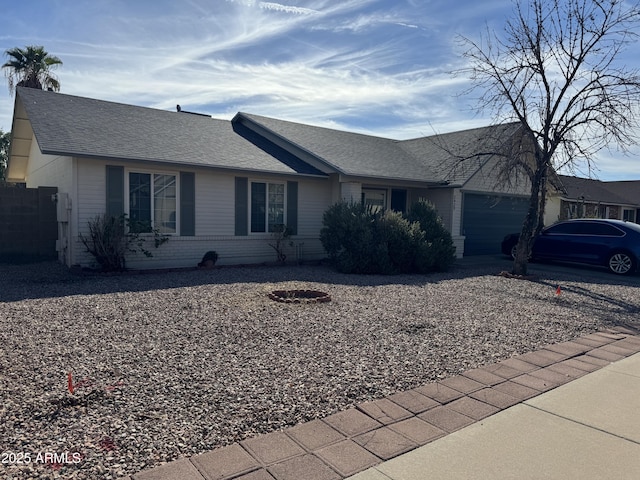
column 70, row 383
column 558, row 290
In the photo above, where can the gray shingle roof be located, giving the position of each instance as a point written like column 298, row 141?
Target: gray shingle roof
column 448, row 158
column 351, row 153
column 455, row 157
column 629, row 189
column 84, row 127
column 593, row 191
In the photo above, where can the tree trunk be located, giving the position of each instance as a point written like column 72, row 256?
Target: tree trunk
column 531, row 222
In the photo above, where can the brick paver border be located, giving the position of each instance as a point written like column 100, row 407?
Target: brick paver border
column 353, row 440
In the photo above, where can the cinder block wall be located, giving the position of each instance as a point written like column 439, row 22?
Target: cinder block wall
column 28, row 225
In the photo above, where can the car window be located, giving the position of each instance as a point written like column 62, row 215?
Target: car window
column 601, row 230
column 568, row 228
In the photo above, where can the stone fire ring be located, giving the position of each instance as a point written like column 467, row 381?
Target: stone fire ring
column 300, row 296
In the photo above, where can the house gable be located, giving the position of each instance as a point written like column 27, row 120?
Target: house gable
column 457, row 156
column 88, row 128
column 348, row 154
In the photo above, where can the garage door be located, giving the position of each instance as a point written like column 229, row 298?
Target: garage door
column 486, row 219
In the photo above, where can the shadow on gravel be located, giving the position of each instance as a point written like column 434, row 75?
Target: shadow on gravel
column 51, row 279
column 611, row 308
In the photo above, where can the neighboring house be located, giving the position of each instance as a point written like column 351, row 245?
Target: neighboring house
column 588, row 198
column 222, row 185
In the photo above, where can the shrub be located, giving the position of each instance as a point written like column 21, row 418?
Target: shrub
column 110, row 238
column 440, row 252
column 361, row 240
column 280, row 237
column 397, row 240
column 348, row 237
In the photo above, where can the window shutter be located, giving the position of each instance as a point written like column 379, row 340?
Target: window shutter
column 115, row 191
column 242, row 206
column 292, row 207
column 187, row 204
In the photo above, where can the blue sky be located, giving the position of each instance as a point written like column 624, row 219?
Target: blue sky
column 381, row 67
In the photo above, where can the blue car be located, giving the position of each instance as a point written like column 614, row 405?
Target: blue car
column 614, row 244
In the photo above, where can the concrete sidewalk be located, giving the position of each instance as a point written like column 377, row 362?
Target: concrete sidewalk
column 587, row 429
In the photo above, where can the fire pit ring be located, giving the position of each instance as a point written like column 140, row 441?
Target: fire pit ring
column 300, row 296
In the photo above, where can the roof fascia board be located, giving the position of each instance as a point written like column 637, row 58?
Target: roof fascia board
column 21, row 134
column 293, row 148
column 598, row 202
column 391, row 181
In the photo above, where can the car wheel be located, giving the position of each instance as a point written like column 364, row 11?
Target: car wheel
column 621, row 263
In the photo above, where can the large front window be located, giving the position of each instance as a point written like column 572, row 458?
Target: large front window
column 267, row 206
column 152, row 202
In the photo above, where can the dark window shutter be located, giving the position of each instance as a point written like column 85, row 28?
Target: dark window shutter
column 115, row 190
column 242, row 206
column 258, row 207
column 187, row 204
column 292, row 207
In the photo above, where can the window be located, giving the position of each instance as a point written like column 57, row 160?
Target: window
column 267, row 206
column 629, row 215
column 374, row 197
column 584, row 228
column 601, row 230
column 399, row 200
column 567, row 228
column 152, row 202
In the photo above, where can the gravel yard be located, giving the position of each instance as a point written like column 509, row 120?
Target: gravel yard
column 174, row 364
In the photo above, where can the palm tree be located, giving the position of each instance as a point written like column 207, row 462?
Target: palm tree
column 5, row 143
column 31, row 67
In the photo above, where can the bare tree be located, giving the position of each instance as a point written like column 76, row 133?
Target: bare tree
column 558, row 71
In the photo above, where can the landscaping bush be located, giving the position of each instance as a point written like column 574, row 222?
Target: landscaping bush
column 348, row 237
column 110, row 238
column 361, row 240
column 440, row 253
column 280, row 237
column 397, row 240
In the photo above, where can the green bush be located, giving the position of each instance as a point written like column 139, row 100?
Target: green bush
column 398, row 239
column 361, row 240
column 440, row 253
column 348, row 237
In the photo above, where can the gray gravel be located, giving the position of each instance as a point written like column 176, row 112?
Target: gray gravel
column 175, row 364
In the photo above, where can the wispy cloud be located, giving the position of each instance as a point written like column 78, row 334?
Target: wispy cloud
column 374, row 66
column 287, row 9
